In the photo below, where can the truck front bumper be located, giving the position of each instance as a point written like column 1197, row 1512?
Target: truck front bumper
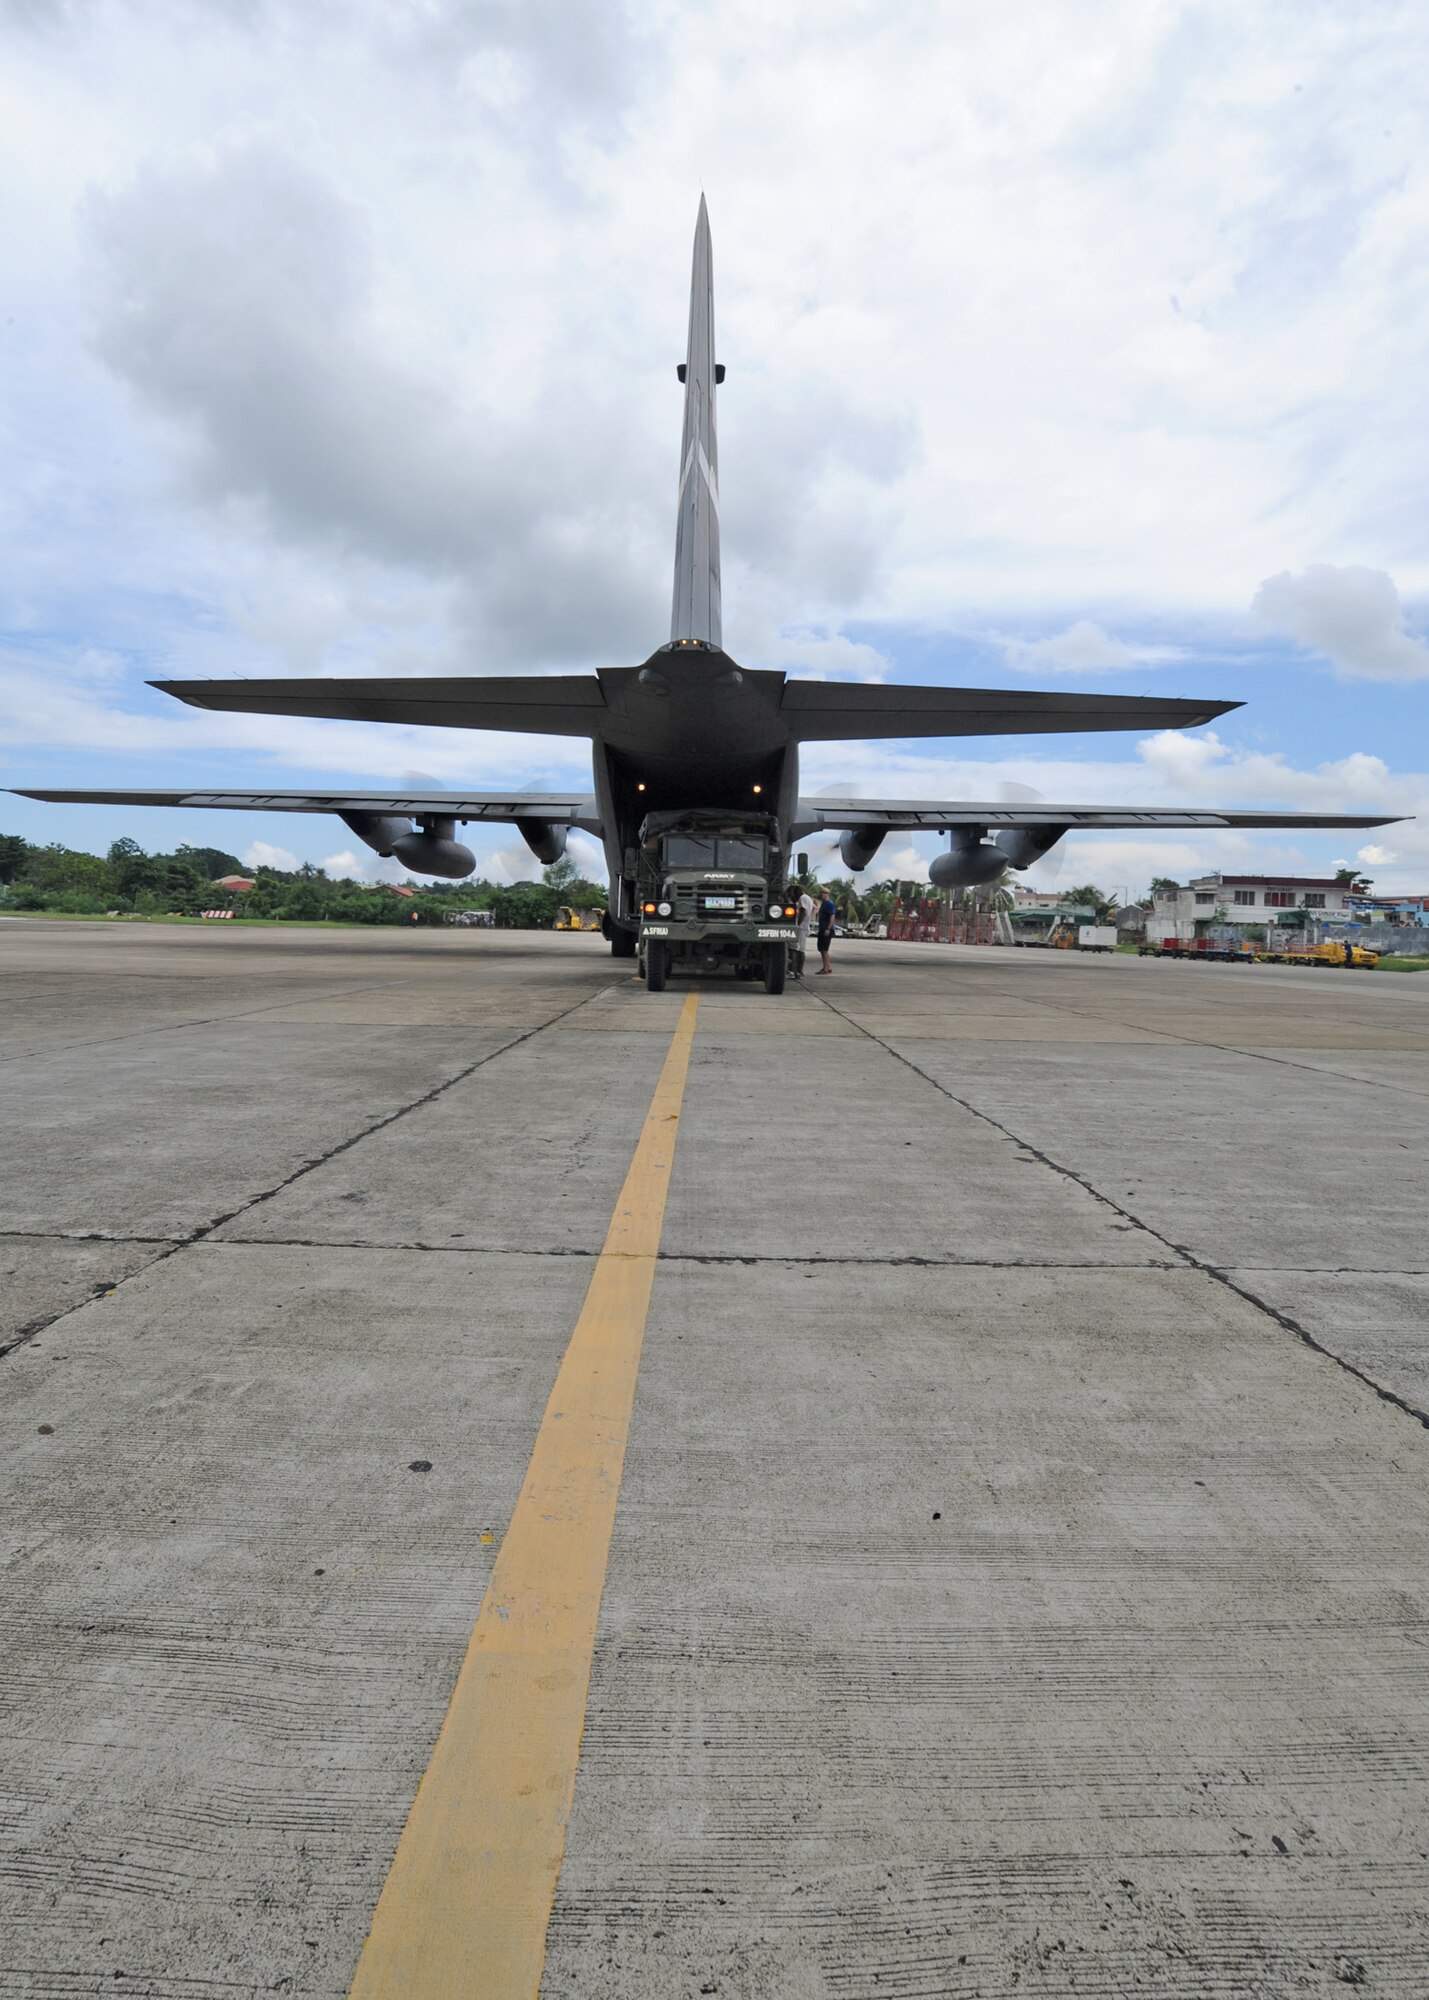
column 716, row 933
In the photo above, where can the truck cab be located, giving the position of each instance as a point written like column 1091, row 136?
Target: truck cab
column 712, row 896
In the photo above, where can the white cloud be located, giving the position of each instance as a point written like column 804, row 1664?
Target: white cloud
column 901, row 864
column 258, row 854
column 1082, row 648
column 1375, row 856
column 588, row 856
column 384, row 292
column 351, row 866
column 1352, row 615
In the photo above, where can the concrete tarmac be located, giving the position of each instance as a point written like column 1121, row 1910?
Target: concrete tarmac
column 1020, row 1579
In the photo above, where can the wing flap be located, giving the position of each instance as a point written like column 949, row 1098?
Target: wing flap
column 932, row 816
column 553, row 808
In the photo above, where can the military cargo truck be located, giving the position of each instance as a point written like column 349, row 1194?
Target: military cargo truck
column 712, row 896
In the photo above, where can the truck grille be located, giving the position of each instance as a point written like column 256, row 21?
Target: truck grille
column 690, row 900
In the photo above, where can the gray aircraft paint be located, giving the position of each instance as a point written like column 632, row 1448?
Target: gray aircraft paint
column 692, row 728
column 696, row 611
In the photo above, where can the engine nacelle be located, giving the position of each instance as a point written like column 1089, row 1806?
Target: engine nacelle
column 1025, row 844
column 859, row 845
column 431, row 849
column 433, row 854
column 967, row 863
column 546, row 841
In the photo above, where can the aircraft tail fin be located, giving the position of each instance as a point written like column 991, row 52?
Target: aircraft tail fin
column 696, row 612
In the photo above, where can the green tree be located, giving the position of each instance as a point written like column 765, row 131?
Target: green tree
column 210, row 862
column 14, row 852
column 560, row 876
column 1089, row 896
column 57, row 870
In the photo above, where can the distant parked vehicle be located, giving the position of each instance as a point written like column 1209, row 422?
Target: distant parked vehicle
column 1096, row 937
column 1200, row 951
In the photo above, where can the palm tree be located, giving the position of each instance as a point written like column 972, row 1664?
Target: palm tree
column 1091, row 897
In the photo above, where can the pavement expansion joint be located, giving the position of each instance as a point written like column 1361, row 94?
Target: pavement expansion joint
column 950, row 1261
column 86, row 1236
column 1187, row 1258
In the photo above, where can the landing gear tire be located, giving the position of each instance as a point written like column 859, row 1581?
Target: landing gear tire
column 622, row 942
column 657, row 962
column 776, row 964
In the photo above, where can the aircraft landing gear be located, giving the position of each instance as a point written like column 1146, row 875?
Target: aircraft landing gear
column 622, row 942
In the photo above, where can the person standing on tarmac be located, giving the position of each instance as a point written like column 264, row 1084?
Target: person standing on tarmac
column 828, row 911
column 803, row 917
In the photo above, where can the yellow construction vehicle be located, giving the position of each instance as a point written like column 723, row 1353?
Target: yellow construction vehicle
column 568, row 919
column 1340, row 951
column 1334, row 951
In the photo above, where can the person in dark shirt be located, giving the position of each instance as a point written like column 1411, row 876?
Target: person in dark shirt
column 828, row 911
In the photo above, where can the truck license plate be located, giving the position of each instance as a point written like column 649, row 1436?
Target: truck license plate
column 721, row 902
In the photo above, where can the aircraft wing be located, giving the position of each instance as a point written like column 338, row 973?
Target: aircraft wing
column 838, row 711
column 834, row 815
column 553, row 808
column 543, row 704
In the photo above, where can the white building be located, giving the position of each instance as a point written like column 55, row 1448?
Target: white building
column 1244, row 899
column 1032, row 900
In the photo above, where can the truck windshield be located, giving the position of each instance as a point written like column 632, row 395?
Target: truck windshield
column 690, row 850
column 704, row 850
column 734, row 853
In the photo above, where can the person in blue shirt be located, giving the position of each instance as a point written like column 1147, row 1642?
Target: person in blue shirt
column 828, row 911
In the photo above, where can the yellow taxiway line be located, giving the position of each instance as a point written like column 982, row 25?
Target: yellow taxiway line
column 466, row 1903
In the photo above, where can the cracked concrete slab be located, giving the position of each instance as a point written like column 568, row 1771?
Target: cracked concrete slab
column 1238, row 1161
column 1021, row 1688
column 233, row 1611
column 44, row 1276
column 443, row 1174
column 173, row 1130
column 1378, row 1320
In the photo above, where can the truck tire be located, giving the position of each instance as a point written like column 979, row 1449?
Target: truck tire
column 657, row 964
column 622, row 942
column 776, row 964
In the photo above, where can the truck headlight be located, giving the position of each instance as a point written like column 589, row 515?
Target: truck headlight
column 649, row 909
column 776, row 909
column 664, row 909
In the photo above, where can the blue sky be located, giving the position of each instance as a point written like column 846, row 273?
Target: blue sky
column 1083, row 348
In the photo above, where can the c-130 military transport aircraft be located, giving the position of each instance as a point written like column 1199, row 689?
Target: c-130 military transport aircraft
column 691, row 730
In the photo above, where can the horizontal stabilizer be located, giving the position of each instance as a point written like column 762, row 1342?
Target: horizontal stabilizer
column 838, row 711
column 835, row 815
column 553, row 808
column 543, row 704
